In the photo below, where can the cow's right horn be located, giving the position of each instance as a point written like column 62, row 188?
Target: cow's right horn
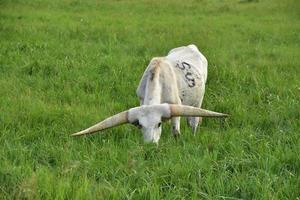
column 182, row 110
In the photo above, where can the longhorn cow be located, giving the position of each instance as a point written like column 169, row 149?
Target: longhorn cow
column 171, row 87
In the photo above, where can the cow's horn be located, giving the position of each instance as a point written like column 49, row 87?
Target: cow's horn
column 118, row 119
column 182, row 110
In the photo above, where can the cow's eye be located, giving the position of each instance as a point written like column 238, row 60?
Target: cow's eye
column 137, row 124
column 159, row 124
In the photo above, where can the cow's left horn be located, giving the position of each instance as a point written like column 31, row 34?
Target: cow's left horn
column 115, row 120
column 182, row 110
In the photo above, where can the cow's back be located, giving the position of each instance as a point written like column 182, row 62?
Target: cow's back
column 190, row 67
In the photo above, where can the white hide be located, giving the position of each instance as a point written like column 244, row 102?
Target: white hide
column 178, row 78
column 191, row 96
column 190, row 91
column 171, row 87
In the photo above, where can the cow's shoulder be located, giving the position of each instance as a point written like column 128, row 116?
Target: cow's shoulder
column 190, row 52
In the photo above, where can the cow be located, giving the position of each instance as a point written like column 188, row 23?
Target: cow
column 171, row 87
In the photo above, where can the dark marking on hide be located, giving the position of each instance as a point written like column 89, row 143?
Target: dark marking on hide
column 152, row 76
column 190, row 79
column 180, row 66
column 189, row 76
column 186, row 65
column 155, row 70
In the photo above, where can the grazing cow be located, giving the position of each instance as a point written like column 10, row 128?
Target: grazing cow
column 171, row 87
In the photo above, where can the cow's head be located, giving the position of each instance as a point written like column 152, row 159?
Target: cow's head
column 149, row 119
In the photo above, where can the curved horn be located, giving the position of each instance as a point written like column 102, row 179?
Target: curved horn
column 118, row 119
column 181, row 110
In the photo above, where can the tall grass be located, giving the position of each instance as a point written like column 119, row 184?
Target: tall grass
column 65, row 65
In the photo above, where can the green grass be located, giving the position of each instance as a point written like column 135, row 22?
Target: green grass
column 65, row 65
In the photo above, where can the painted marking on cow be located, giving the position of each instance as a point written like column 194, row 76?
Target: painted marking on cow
column 190, row 79
column 188, row 74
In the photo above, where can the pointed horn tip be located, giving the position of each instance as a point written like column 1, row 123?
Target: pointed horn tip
column 223, row 115
column 74, row 135
column 219, row 115
column 77, row 134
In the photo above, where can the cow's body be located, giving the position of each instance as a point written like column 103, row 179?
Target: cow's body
column 171, row 87
column 178, row 78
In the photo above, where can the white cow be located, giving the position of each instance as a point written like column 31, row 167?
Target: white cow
column 171, row 87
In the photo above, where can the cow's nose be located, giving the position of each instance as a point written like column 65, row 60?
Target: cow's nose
column 148, row 139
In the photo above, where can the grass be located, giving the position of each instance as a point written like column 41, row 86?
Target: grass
column 65, row 65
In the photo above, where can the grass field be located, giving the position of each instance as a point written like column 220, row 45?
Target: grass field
column 65, row 65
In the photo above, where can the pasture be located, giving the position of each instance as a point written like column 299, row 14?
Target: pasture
column 67, row 64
